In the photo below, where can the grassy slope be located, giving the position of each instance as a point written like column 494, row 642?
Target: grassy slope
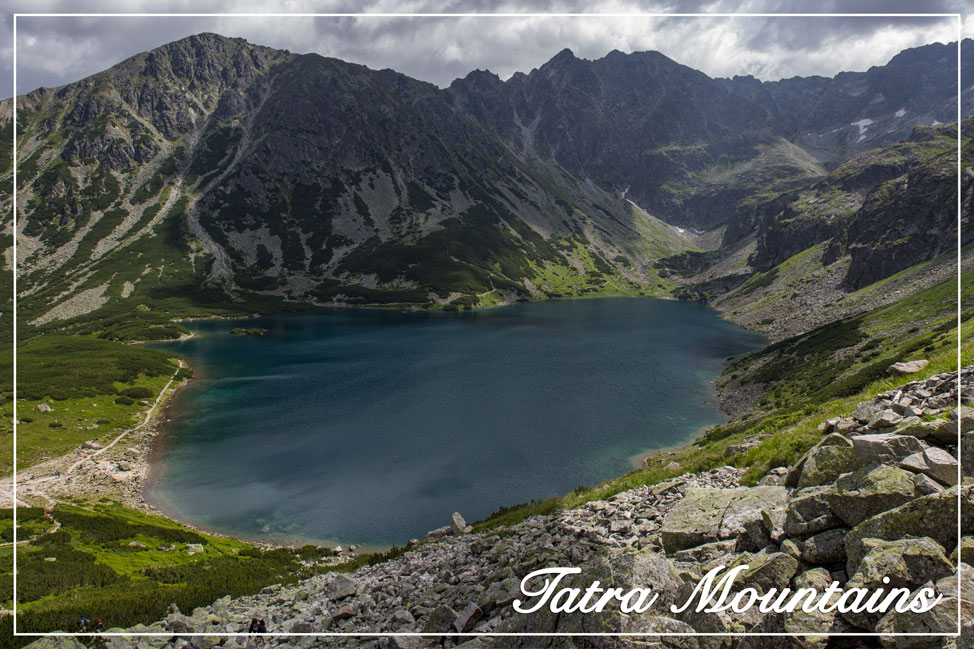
column 84, row 381
column 109, row 566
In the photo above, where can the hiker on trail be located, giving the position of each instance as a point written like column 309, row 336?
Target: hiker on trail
column 261, row 626
column 99, row 626
column 83, row 623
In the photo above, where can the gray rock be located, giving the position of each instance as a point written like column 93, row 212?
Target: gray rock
column 867, row 410
column 824, row 464
column 934, row 516
column 440, row 532
column 457, row 524
column 705, row 515
column 905, row 563
column 967, row 455
column 870, row 490
column 885, row 419
column 966, row 416
column 468, row 617
column 765, row 571
column 707, row 552
column 845, row 425
column 194, row 548
column 824, row 548
column 43, row 407
column 342, row 586
column 346, row 612
column 934, row 462
column 440, row 620
column 809, row 512
column 815, row 622
column 907, row 367
column 886, row 448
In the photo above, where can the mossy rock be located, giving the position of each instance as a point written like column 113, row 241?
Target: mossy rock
column 826, row 464
column 907, row 563
column 934, row 516
column 871, row 490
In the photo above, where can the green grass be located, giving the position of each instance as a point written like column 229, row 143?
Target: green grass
column 101, row 571
column 67, row 367
column 99, row 417
column 94, row 387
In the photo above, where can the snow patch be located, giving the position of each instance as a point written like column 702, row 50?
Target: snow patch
column 863, row 125
column 936, row 123
column 901, row 112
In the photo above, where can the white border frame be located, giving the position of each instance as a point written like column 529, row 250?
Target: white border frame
column 14, row 98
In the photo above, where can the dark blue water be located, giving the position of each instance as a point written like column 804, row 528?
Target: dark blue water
column 372, row 427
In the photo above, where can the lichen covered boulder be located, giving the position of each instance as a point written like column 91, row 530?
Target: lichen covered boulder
column 705, row 515
column 870, row 490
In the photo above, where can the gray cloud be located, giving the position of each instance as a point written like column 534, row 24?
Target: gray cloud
column 52, row 51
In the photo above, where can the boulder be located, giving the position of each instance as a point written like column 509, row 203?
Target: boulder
column 823, row 463
column 885, row 419
column 934, row 516
column 824, row 548
column 346, row 612
column 907, row 367
column 342, row 586
column 194, row 548
column 765, row 570
column 440, row 620
column 809, row 512
column 887, row 448
column 707, row 552
column 904, row 563
column 939, row 431
column 91, row 445
column 934, row 462
column 866, row 410
column 500, row 594
column 705, row 515
column 967, row 455
column 301, row 626
column 817, row 621
column 468, row 617
column 440, row 532
column 43, row 407
column 457, row 524
column 964, row 552
column 870, row 490
column 942, row 618
column 966, row 416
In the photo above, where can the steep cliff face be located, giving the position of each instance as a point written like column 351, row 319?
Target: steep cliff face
column 903, row 196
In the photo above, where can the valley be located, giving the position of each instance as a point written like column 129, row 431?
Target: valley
column 212, row 178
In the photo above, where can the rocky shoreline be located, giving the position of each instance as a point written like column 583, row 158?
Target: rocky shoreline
column 876, row 497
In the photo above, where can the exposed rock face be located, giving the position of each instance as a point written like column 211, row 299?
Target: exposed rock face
column 875, row 521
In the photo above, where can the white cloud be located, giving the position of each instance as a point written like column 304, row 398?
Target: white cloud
column 53, row 51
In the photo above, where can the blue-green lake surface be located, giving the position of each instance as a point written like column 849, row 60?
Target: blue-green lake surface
column 373, row 426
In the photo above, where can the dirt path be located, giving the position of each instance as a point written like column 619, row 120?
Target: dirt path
column 145, row 422
column 54, row 476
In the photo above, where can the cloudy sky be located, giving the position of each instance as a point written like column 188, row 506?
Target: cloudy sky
column 52, row 51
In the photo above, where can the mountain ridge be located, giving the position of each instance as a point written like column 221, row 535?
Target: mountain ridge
column 299, row 178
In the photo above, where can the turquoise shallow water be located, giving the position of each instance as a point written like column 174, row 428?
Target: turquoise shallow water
column 373, row 426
